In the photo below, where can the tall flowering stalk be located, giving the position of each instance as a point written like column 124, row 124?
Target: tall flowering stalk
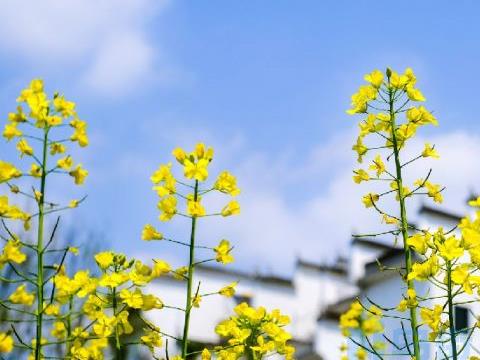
column 195, row 168
column 388, row 102
column 253, row 332
column 36, row 118
column 83, row 316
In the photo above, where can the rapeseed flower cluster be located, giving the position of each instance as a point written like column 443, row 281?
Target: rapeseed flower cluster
column 391, row 116
column 93, row 314
column 42, row 127
column 255, row 334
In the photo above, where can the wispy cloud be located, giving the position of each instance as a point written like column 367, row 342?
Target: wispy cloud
column 105, row 42
column 283, row 216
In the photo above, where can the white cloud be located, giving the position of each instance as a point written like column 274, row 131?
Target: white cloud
column 124, row 61
column 307, row 204
column 105, row 40
column 317, row 224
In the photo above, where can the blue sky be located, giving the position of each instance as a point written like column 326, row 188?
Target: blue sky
column 266, row 83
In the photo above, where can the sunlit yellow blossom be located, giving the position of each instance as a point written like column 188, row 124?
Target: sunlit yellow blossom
column 405, row 132
column 37, row 195
column 64, row 107
column 419, row 242
column 375, row 78
column 450, row 249
column 51, row 309
column 54, row 120
column 421, row 116
column 151, row 302
column 227, row 183
column 22, row 296
column 370, row 199
column 410, row 301
column 423, row 271
column 360, row 99
column 360, row 149
column 24, row 148
column 17, row 117
column 429, row 151
column 196, row 301
column 6, row 343
column 79, row 174
column 372, row 325
column 133, row 299
column 206, row 355
column 196, row 170
column 35, row 170
column 389, row 220
column 162, row 173
column 378, row 165
column 179, row 155
column 73, row 250
column 93, row 307
column 168, row 207
column 59, row 330
column 11, row 131
column 461, row 276
column 397, row 81
column 160, row 268
column 361, row 354
column 8, row 171
column 405, row 190
column 113, row 280
column 432, row 317
column 104, row 326
column 141, row 273
column 104, row 259
column 360, row 175
column 180, row 273
column 151, row 339
column 433, row 190
column 475, row 203
column 470, row 238
column 150, row 233
column 12, row 252
column 195, row 208
column 222, row 252
column 414, row 94
column 80, row 132
column 228, row 290
column 57, row 148
column 65, row 163
column 232, row 208
column 202, row 152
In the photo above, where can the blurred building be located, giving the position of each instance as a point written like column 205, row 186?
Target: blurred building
column 314, row 296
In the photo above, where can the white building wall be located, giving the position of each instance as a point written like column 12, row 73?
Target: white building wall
column 360, row 255
column 328, row 340
column 214, row 308
column 314, row 290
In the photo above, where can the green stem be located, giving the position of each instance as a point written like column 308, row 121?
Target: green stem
column 404, row 225
column 40, row 275
column 118, row 346
column 451, row 320
column 191, row 267
column 69, row 323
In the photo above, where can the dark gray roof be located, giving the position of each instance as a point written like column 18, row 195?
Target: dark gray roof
column 391, row 259
column 333, row 311
column 245, row 275
column 337, row 268
column 426, row 209
column 365, row 241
